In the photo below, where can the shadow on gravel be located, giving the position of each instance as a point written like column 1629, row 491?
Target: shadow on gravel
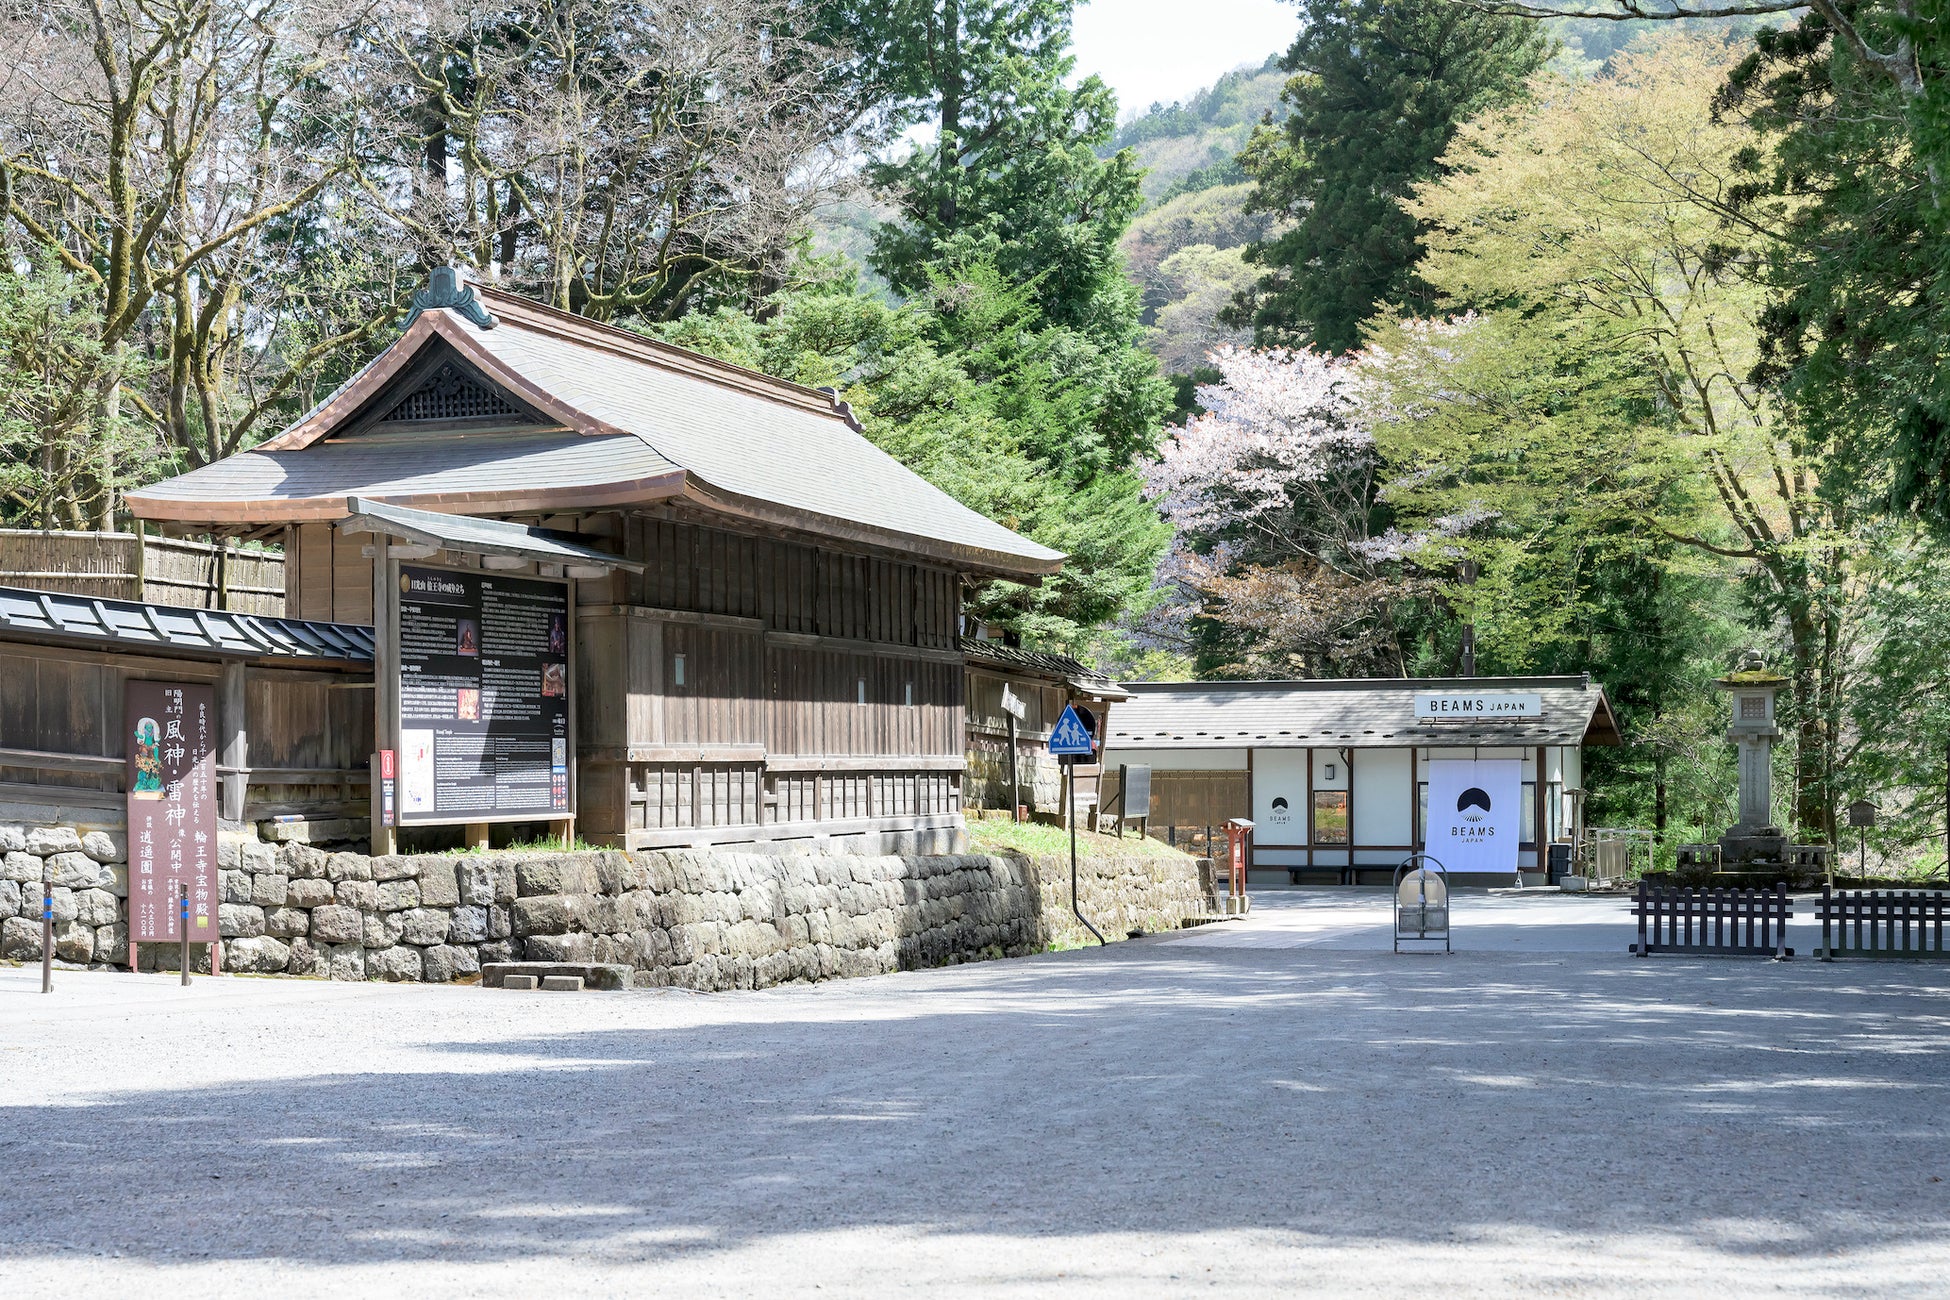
column 1750, row 1108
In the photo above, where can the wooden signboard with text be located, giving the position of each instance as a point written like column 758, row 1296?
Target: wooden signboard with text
column 172, row 801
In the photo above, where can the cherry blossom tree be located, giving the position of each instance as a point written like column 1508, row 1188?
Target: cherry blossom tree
column 1271, row 494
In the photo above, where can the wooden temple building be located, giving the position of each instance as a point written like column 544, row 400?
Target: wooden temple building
column 766, row 606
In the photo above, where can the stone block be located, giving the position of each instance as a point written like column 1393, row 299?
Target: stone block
column 301, row 862
column 346, row 961
column 44, row 841
column 319, row 830
column 380, row 929
column 561, row 983
column 348, row 866
column 439, row 886
column 398, row 964
column 424, row 926
column 256, row 956
column 565, row 874
column 74, row 941
column 269, row 891
column 501, row 922
column 258, row 858
column 548, row 914
column 103, row 847
column 308, row 893
column 444, row 962
column 307, row 959
column 560, row 947
column 20, row 939
column 112, row 944
column 118, row 881
column 20, row 867
column 362, row 894
column 13, row 839
column 233, row 887
column 468, row 925
column 9, row 898
column 337, row 925
column 96, row 907
column 397, row 894
column 240, row 920
column 65, row 908
column 287, row 922
column 396, row 867
column 475, row 882
column 498, row 950
column 519, row 983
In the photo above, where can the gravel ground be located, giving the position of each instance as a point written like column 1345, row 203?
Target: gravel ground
column 1212, row 1112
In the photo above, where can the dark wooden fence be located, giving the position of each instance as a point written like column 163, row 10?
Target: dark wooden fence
column 1718, row 921
column 163, row 570
column 1876, row 923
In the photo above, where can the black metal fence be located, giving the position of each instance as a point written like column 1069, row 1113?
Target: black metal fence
column 1881, row 923
column 1735, row 922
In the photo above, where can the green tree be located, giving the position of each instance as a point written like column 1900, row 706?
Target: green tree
column 1377, row 90
column 1012, row 174
column 955, row 385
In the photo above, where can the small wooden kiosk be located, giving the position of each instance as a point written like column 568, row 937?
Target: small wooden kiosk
column 764, row 605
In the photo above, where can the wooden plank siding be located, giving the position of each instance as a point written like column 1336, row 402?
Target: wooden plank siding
column 818, row 689
column 308, row 733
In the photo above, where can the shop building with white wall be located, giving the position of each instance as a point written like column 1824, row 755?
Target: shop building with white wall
column 1334, row 775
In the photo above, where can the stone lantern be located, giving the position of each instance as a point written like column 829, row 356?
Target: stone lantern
column 1753, row 687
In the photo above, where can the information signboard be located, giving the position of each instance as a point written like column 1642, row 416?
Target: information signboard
column 483, row 697
column 171, row 780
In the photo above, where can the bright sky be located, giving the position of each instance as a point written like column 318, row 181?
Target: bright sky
column 1159, row 51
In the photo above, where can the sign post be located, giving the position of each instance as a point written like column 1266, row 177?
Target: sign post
column 1069, row 741
column 47, row 928
column 1013, row 706
column 171, row 783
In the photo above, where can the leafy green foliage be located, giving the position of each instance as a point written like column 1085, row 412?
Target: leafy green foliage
column 1377, row 91
column 1031, row 426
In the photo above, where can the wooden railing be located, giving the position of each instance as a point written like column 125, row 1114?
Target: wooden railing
column 1877, row 923
column 1749, row 922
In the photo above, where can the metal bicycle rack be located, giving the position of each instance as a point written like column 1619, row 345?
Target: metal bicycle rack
column 1421, row 899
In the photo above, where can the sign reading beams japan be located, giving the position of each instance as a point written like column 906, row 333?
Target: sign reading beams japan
column 171, row 781
column 483, row 697
column 1476, row 706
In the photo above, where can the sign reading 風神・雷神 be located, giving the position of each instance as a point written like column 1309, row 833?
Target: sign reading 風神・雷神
column 1472, row 706
column 483, row 697
column 172, row 788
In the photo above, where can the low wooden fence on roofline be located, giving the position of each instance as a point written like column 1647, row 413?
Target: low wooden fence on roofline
column 126, row 566
column 1876, row 923
column 1716, row 921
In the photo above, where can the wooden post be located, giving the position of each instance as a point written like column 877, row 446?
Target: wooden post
column 385, row 686
column 477, row 835
column 223, row 572
column 141, row 565
column 233, row 752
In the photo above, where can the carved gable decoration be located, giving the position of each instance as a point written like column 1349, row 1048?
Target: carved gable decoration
column 450, row 393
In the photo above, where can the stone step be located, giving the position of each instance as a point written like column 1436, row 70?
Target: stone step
column 592, row 975
column 561, row 983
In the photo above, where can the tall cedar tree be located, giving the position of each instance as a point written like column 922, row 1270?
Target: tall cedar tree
column 1012, row 175
column 1378, row 89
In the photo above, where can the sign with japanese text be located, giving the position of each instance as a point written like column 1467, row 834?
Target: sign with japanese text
column 483, row 697
column 171, row 734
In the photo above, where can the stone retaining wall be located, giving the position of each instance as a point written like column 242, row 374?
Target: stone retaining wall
column 704, row 920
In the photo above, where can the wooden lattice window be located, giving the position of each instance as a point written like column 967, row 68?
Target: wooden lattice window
column 452, row 394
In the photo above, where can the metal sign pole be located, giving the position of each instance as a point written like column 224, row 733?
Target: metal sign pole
column 185, row 913
column 1075, row 906
column 47, row 929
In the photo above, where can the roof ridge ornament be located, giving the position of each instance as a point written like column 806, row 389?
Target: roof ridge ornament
column 445, row 288
column 842, row 408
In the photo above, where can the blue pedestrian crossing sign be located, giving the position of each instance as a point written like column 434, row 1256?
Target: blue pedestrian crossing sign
column 1070, row 736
